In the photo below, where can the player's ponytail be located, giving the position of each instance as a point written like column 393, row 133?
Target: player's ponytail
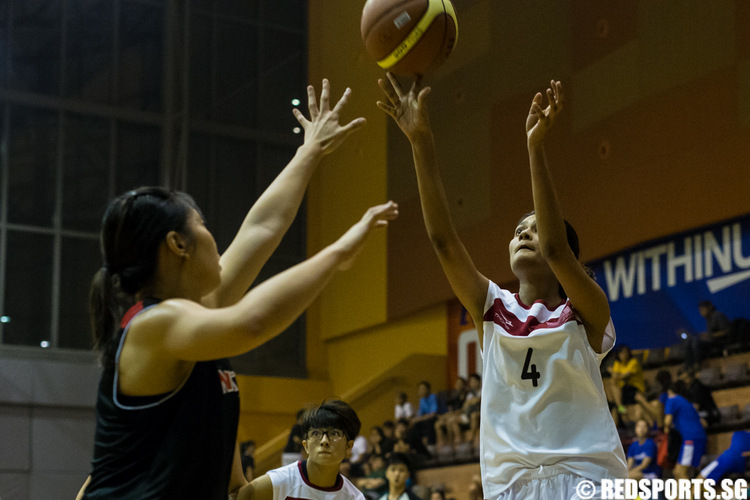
column 133, row 227
column 105, row 310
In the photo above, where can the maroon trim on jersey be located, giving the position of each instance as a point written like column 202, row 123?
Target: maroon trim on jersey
column 131, row 313
column 543, row 302
column 509, row 322
column 302, row 466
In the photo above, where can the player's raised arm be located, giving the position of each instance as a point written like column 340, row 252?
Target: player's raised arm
column 191, row 332
column 409, row 110
column 588, row 299
column 270, row 217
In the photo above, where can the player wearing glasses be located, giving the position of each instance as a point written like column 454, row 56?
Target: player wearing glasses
column 329, row 431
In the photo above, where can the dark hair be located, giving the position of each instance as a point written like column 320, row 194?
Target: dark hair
column 679, row 387
column 573, row 243
column 707, row 304
column 439, row 491
column 332, row 413
column 379, row 430
column 476, row 376
column 664, row 378
column 400, row 459
column 426, row 384
column 133, row 227
column 247, row 444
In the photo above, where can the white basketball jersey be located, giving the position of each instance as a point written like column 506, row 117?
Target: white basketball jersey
column 543, row 401
column 290, row 483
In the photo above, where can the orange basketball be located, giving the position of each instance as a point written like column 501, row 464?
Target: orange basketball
column 409, row 37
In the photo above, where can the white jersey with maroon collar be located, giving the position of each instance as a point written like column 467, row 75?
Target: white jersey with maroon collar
column 291, row 483
column 543, row 401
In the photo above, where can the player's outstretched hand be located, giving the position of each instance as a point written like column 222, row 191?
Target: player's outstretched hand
column 351, row 242
column 408, row 109
column 323, row 126
column 541, row 120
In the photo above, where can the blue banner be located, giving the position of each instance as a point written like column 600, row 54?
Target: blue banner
column 654, row 288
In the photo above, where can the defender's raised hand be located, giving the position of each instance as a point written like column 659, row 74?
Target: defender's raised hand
column 323, row 127
column 375, row 217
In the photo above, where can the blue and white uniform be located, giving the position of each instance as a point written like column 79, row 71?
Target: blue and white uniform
column 732, row 461
column 687, row 421
column 639, row 452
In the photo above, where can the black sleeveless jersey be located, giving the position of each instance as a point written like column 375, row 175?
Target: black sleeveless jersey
column 178, row 445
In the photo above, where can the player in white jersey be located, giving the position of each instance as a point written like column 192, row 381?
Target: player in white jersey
column 329, row 431
column 545, row 424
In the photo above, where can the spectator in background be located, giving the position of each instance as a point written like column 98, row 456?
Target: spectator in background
column 642, row 454
column 468, row 416
column 388, row 428
column 717, row 323
column 293, row 451
column 378, row 444
column 398, row 474
column 403, row 408
column 700, row 395
column 423, row 424
column 401, row 437
column 652, row 410
column 437, row 493
column 680, row 414
column 406, row 442
column 358, row 456
column 374, row 484
column 473, row 408
column 444, row 427
column 456, row 397
column 716, row 334
column 247, row 457
column 627, row 377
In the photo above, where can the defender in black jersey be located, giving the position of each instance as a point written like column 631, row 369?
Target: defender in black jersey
column 167, row 310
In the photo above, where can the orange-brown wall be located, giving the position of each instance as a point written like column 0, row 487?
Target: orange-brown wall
column 655, row 137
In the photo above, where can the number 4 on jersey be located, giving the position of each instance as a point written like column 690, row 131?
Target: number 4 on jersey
column 529, row 370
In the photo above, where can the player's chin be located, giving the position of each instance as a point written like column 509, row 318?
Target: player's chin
column 327, row 457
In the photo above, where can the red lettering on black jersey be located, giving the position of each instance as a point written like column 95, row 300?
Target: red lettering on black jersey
column 228, row 381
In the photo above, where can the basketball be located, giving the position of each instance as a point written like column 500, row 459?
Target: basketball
column 409, row 37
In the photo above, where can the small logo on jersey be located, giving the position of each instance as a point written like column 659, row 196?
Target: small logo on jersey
column 228, row 381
